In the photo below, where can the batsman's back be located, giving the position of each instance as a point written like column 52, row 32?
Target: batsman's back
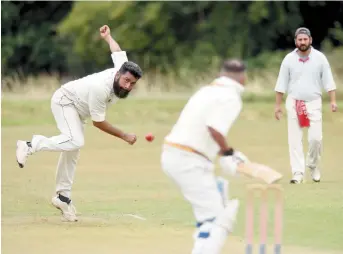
column 191, row 129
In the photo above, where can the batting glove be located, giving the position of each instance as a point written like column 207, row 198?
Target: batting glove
column 230, row 163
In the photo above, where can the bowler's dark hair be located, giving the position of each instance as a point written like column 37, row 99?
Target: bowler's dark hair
column 133, row 68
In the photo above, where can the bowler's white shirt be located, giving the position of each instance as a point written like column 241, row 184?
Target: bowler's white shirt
column 217, row 106
column 92, row 94
column 305, row 80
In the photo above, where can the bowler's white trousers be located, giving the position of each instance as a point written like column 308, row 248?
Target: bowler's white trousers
column 68, row 142
column 295, row 135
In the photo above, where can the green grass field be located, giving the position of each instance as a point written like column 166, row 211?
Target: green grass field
column 114, row 179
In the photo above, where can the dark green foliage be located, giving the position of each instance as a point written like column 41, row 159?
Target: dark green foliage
column 29, row 41
column 159, row 36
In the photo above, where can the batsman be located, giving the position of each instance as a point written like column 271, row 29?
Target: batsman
column 193, row 144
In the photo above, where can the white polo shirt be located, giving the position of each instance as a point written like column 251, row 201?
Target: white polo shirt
column 217, row 106
column 94, row 93
column 304, row 79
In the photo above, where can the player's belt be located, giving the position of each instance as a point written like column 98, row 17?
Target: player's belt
column 186, row 148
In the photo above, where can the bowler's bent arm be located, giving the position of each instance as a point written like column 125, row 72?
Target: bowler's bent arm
column 105, row 126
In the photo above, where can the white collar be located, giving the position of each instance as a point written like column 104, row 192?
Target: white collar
column 229, row 82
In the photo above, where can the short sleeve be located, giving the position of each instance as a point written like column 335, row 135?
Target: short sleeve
column 283, row 78
column 119, row 58
column 223, row 115
column 97, row 104
column 327, row 77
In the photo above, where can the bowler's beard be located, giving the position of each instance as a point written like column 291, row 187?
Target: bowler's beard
column 119, row 91
column 304, row 48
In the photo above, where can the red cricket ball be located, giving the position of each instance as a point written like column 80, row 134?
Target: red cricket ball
column 149, row 137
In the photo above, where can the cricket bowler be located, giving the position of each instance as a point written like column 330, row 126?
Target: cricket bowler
column 71, row 105
column 303, row 74
column 190, row 149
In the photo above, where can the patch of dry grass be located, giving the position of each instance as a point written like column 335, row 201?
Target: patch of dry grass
column 182, row 83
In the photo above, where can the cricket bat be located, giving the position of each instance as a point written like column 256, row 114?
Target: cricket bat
column 259, row 171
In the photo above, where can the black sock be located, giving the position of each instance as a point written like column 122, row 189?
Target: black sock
column 64, row 199
column 29, row 144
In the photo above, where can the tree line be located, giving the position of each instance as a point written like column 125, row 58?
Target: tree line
column 62, row 37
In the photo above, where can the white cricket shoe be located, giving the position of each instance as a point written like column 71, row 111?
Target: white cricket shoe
column 297, row 178
column 68, row 210
column 22, row 152
column 315, row 173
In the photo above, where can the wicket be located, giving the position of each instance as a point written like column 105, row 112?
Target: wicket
column 263, row 190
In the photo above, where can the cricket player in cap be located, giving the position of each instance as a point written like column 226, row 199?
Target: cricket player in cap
column 304, row 73
column 192, row 146
column 71, row 105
